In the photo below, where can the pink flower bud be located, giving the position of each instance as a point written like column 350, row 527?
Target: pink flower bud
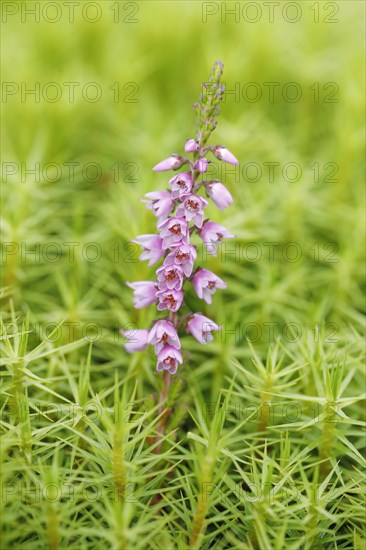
column 219, row 194
column 201, row 165
column 191, row 146
column 224, row 154
column 201, row 328
column 136, row 340
column 171, row 163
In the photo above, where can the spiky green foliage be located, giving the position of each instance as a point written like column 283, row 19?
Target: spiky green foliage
column 264, row 447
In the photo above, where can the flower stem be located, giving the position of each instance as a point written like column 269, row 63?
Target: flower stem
column 163, row 397
column 165, row 415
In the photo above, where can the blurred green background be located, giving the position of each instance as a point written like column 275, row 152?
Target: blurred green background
column 165, row 55
column 113, row 88
column 147, row 75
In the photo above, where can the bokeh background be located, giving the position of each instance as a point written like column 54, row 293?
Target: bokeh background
column 113, row 87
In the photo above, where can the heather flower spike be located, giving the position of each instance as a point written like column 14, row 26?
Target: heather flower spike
column 180, row 213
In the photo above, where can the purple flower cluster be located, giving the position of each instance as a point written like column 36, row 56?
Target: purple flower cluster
column 180, row 213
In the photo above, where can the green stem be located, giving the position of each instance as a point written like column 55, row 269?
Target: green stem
column 165, row 415
column 118, row 466
column 20, row 408
column 52, row 527
column 326, row 448
column 199, row 526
